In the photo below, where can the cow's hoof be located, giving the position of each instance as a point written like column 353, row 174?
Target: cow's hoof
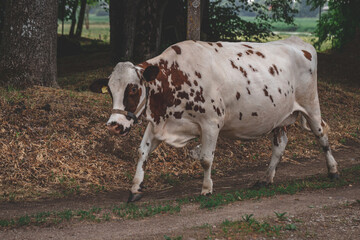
column 260, row 184
column 133, row 197
column 333, row 176
column 206, row 193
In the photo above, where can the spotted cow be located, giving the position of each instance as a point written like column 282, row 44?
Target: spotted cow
column 205, row 89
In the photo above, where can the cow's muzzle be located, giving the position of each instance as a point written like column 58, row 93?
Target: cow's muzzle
column 117, row 129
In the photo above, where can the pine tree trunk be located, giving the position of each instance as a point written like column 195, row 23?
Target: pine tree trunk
column 28, row 46
column 122, row 28
column 81, row 18
column 73, row 18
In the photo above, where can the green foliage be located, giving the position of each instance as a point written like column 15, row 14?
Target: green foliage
column 225, row 22
column 340, row 23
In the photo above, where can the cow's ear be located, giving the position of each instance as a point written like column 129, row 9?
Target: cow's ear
column 99, row 85
column 151, row 73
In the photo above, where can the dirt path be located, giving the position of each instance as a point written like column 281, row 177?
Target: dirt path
column 307, row 206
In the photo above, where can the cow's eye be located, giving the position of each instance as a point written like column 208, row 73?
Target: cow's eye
column 134, row 89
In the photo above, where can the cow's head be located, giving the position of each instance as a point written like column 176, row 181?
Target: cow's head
column 127, row 87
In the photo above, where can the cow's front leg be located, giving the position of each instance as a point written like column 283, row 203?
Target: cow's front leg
column 148, row 144
column 208, row 146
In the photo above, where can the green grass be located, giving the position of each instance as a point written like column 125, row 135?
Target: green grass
column 143, row 210
column 99, row 28
column 300, row 25
column 249, row 226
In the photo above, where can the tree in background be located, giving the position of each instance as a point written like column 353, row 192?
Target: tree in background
column 341, row 24
column 225, row 21
column 74, row 6
column 122, row 28
column 28, row 43
column 81, row 18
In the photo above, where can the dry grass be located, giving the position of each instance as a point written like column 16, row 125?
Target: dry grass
column 53, row 142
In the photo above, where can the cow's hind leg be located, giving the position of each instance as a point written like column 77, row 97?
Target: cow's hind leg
column 148, row 144
column 208, row 146
column 279, row 141
column 321, row 129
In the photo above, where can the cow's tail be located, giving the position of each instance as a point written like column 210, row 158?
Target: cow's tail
column 304, row 123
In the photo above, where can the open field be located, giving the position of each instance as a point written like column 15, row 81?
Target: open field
column 100, row 28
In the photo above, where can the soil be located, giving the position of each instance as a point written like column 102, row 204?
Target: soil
column 323, row 214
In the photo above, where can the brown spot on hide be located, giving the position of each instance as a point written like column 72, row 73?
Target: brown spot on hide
column 310, row 71
column 240, row 117
column 248, row 91
column 248, row 81
column 196, row 108
column 279, row 90
column 216, row 50
column 201, row 110
column 212, row 100
column 219, row 44
column 210, row 43
column 177, row 102
column 307, row 54
column 249, row 52
column 233, row 65
column 252, row 68
column 199, row 96
column 247, row 46
column 177, row 49
column 204, row 164
column 218, row 127
column 192, row 90
column 191, row 115
column 189, row 105
column 254, row 114
column 237, row 96
column 218, row 112
column 266, row 92
column 198, row 74
column 276, row 70
column 178, row 114
column 191, row 94
column 266, row 87
column 239, row 54
column 183, row 95
column 271, row 71
column 271, row 98
column 195, row 82
column 243, row 72
column 165, row 97
column 260, row 54
column 147, row 144
column 131, row 97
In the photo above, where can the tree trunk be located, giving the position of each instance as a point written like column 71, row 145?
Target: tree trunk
column 28, row 46
column 193, row 20
column 148, row 26
column 87, row 11
column 73, row 18
column 81, row 18
column 122, row 28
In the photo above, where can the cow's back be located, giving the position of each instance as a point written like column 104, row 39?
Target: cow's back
column 248, row 89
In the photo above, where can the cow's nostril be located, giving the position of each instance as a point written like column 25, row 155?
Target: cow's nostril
column 113, row 124
column 119, row 128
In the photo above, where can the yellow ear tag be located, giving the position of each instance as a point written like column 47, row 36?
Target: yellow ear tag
column 104, row 89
